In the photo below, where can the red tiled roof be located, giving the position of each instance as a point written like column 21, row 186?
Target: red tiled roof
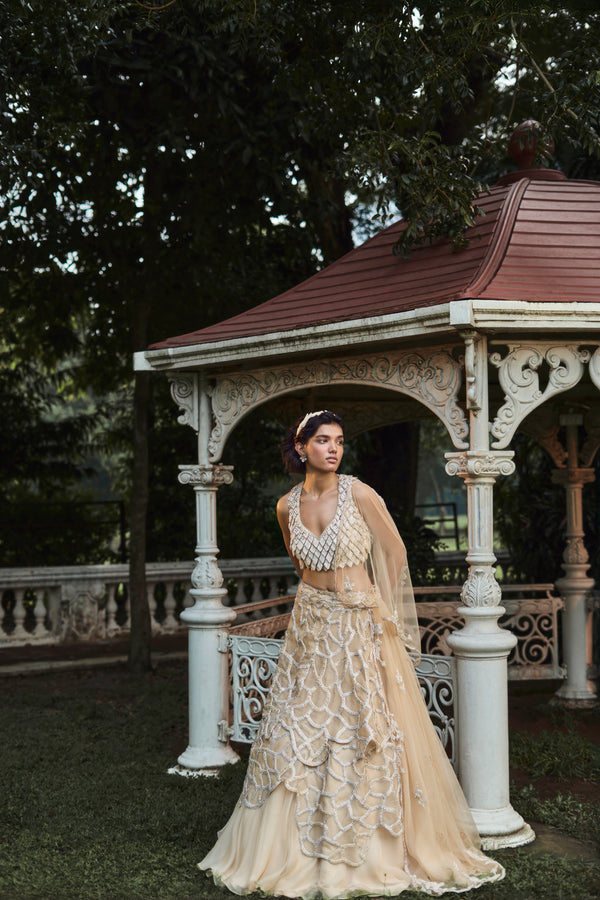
column 538, row 240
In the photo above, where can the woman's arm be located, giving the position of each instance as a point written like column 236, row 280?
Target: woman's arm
column 283, row 516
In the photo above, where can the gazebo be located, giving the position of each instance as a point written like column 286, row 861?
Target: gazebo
column 501, row 335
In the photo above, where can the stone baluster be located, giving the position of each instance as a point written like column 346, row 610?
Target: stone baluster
column 127, row 610
column 19, row 613
column 152, row 606
column 54, row 596
column 481, row 646
column 39, row 612
column 209, row 748
column 240, row 595
column 170, row 623
column 112, row 627
column 575, row 585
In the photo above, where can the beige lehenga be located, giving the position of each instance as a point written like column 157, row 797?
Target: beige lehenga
column 349, row 791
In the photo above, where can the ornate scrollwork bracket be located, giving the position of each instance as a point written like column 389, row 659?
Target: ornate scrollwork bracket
column 433, row 378
column 184, row 391
column 519, row 377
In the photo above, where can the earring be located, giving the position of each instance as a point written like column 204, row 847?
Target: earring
column 303, row 458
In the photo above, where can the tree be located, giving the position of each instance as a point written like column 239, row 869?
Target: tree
column 217, row 153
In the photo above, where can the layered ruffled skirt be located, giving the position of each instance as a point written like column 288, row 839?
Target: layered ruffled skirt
column 349, row 791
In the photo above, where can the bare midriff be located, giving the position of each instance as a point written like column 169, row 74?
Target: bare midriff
column 354, row 578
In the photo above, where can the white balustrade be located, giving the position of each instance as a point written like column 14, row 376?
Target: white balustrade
column 170, row 623
column 66, row 603
column 38, row 604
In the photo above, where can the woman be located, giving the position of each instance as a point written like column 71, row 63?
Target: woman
column 348, row 791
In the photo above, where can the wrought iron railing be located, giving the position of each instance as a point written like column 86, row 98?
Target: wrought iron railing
column 253, row 662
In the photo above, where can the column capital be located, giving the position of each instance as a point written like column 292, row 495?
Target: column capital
column 480, row 463
column 573, row 476
column 206, row 475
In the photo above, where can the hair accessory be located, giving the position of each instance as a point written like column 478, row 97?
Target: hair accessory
column 307, row 417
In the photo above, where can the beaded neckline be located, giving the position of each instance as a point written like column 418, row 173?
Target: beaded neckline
column 317, row 553
column 341, row 496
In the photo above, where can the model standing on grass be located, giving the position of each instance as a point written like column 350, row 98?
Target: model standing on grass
column 348, row 790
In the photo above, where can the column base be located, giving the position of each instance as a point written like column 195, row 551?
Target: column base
column 193, row 773
column 573, row 699
column 207, row 762
column 525, row 835
column 502, row 828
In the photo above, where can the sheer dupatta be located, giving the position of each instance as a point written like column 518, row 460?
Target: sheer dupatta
column 388, row 567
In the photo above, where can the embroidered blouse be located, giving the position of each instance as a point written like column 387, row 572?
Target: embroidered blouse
column 345, row 542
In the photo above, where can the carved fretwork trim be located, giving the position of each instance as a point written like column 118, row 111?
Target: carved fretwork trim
column 433, row 378
column 519, row 378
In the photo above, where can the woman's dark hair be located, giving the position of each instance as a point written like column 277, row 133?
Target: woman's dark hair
column 291, row 460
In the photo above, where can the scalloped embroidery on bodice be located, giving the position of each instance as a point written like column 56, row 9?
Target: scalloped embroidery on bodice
column 346, row 541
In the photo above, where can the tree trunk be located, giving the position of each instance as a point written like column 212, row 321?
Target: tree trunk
column 330, row 215
column 141, row 632
column 141, row 625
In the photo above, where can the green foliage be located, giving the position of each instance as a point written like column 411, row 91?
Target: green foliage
column 564, row 811
column 246, row 508
column 564, row 756
column 162, row 169
column 95, row 814
column 47, row 471
column 544, row 876
column 421, row 543
column 88, row 811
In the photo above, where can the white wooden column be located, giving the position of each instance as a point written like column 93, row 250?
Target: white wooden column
column 575, row 585
column 207, row 619
column 481, row 647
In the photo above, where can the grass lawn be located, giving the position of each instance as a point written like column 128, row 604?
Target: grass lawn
column 87, row 810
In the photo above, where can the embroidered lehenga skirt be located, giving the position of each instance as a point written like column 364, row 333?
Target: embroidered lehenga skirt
column 349, row 791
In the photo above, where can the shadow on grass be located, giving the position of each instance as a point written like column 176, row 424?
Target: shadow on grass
column 89, row 813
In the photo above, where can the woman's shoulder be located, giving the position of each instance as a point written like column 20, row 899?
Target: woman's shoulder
column 362, row 491
column 283, row 504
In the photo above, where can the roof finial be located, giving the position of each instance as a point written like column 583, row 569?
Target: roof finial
column 524, row 145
